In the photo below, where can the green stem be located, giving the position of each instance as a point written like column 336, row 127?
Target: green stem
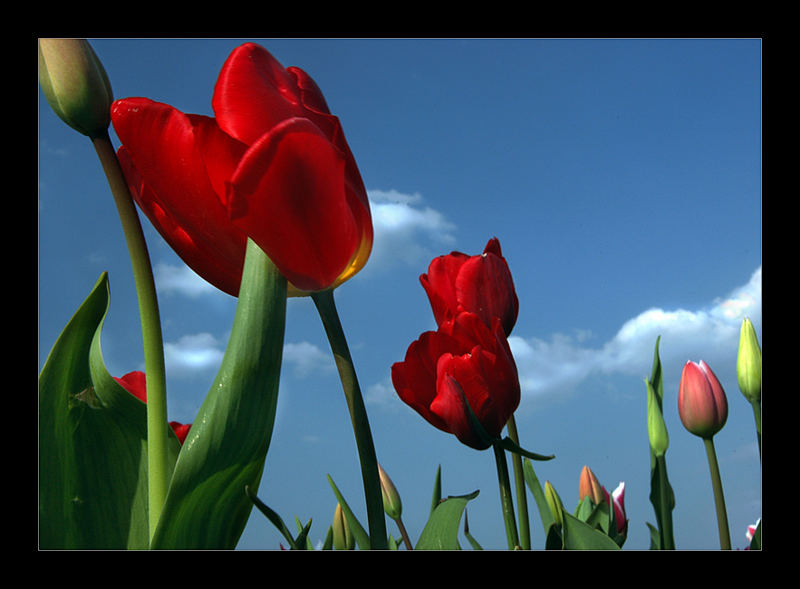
column 757, row 415
column 505, row 497
column 326, row 307
column 404, row 533
column 665, row 519
column 519, row 480
column 719, row 498
column 157, row 425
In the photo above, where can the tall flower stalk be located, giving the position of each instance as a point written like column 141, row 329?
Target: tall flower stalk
column 326, row 307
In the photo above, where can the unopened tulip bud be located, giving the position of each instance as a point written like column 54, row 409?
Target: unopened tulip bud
column 391, row 498
column 76, row 85
column 656, row 428
column 342, row 536
column 748, row 363
column 590, row 487
column 702, row 404
column 554, row 502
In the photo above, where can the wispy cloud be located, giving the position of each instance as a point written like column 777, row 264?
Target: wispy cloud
column 202, row 353
column 561, row 363
column 306, row 359
column 180, row 279
column 193, row 354
column 404, row 228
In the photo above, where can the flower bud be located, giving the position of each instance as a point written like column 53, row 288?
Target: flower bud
column 702, row 404
column 590, row 487
column 391, row 498
column 342, row 536
column 748, row 363
column 656, row 428
column 75, row 84
column 554, row 502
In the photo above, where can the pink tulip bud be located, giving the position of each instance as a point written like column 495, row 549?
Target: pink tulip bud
column 702, row 404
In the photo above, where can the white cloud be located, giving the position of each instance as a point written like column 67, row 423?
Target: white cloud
column 712, row 334
column 193, row 354
column 182, row 280
column 202, row 353
column 404, row 227
column 307, row 358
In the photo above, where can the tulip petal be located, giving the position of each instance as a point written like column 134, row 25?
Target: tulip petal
column 170, row 176
column 451, row 406
column 288, row 194
column 439, row 284
column 194, row 250
column 254, row 93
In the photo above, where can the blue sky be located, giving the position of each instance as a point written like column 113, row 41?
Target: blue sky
column 623, row 180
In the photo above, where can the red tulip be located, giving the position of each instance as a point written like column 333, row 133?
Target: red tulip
column 702, row 404
column 465, row 361
column 481, row 284
column 272, row 165
column 135, row 384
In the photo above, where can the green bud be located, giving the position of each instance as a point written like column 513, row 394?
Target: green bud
column 656, row 428
column 748, row 363
column 554, row 502
column 76, row 85
column 391, row 498
column 343, row 538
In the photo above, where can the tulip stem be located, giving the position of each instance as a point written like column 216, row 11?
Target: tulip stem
column 519, row 479
column 665, row 505
column 757, row 415
column 326, row 307
column 505, row 497
column 719, row 498
column 157, row 425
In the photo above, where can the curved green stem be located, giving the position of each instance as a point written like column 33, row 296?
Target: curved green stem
column 505, row 497
column 358, row 415
column 519, row 480
column 719, row 498
column 157, row 425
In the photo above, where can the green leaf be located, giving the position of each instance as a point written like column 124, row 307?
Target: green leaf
column 441, row 530
column 473, row 542
column 207, row 506
column 277, row 521
column 579, row 535
column 538, row 494
column 509, row 444
column 359, row 533
column 437, row 489
column 661, row 494
column 92, row 443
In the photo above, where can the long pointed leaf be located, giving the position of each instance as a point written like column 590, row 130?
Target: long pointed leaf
column 92, row 443
column 206, row 506
column 441, row 530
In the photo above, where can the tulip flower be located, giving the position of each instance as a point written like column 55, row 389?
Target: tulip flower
column 702, row 405
column 481, row 284
column 617, row 500
column 134, row 383
column 75, row 84
column 463, row 367
column 703, row 409
column 748, row 372
column 748, row 363
column 272, row 165
column 343, row 538
column 590, row 487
